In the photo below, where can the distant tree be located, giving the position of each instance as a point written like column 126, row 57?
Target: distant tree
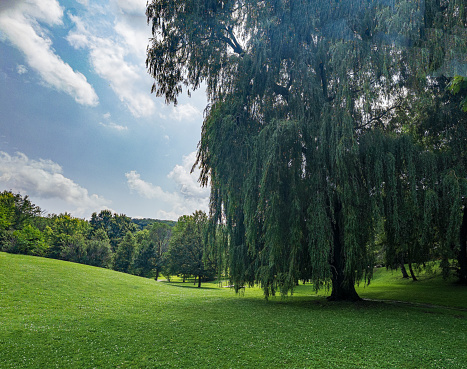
column 187, row 248
column 7, row 211
column 143, row 223
column 153, row 244
column 145, row 259
column 147, row 222
column 16, row 211
column 98, row 250
column 66, row 235
column 121, row 225
column 73, row 248
column 102, row 220
column 159, row 235
column 66, row 224
column 17, row 231
column 125, row 254
column 28, row 241
column 115, row 225
column 177, row 260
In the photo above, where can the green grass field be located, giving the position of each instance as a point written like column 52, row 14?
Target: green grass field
column 55, row 314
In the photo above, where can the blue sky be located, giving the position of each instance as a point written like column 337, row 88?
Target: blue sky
column 79, row 129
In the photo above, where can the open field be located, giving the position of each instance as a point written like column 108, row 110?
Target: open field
column 65, row 315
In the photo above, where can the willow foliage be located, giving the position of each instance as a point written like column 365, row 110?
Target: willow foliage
column 307, row 141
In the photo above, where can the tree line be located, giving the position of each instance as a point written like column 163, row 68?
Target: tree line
column 148, row 248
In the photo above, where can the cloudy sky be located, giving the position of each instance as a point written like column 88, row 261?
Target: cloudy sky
column 79, row 129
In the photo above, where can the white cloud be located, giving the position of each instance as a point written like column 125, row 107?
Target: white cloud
column 191, row 196
column 185, row 113
column 114, row 126
column 146, row 189
column 131, row 25
column 113, row 59
column 136, row 38
column 134, row 7
column 44, row 179
column 19, row 24
column 187, row 181
column 21, row 69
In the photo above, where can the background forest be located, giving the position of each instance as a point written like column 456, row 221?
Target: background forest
column 143, row 247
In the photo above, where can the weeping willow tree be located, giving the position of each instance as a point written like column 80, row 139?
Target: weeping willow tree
column 306, row 140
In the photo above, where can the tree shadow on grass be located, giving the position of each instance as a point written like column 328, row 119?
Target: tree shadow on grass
column 188, row 285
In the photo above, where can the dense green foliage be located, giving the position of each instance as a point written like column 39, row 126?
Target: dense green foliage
column 107, row 240
column 146, row 222
column 459, row 86
column 187, row 254
column 125, row 254
column 329, row 124
column 153, row 243
column 116, row 226
column 57, row 314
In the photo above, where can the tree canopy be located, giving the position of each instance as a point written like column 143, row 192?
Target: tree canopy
column 313, row 135
column 187, row 254
column 115, row 225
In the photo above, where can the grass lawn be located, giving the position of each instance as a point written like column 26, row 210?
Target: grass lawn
column 55, row 314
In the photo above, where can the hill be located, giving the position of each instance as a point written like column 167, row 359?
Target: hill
column 142, row 223
column 60, row 314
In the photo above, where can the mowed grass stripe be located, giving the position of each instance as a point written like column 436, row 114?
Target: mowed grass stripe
column 65, row 315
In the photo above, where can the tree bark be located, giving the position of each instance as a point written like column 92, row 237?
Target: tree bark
column 199, row 281
column 403, row 270
column 157, row 274
column 412, row 274
column 462, row 255
column 343, row 287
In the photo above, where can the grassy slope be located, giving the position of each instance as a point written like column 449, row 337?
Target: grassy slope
column 429, row 289
column 58, row 314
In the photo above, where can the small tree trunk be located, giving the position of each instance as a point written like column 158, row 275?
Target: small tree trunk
column 412, row 273
column 403, row 270
column 199, row 281
column 157, row 274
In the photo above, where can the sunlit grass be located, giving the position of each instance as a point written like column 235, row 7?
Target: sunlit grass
column 59, row 314
column 429, row 289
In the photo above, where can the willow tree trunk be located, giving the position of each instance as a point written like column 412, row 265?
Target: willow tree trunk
column 343, row 287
